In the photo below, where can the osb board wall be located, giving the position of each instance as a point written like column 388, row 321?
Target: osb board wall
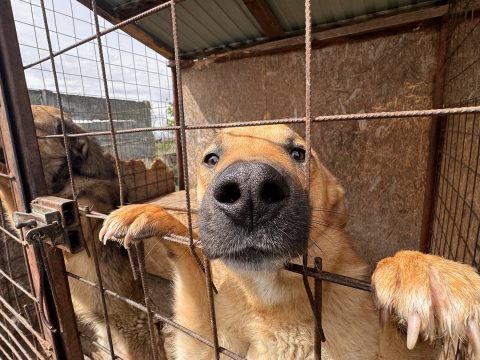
column 381, row 164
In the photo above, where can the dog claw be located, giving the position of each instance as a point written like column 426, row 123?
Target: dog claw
column 383, row 317
column 127, row 241
column 413, row 330
column 107, row 236
column 101, row 234
column 473, row 334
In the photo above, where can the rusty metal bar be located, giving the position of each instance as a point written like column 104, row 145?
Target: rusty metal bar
column 318, row 303
column 24, row 160
column 100, row 133
column 176, row 114
column 322, row 118
column 66, row 140
column 101, row 289
column 308, row 152
column 211, row 308
column 16, row 117
column 330, row 277
column 113, row 136
column 139, row 249
column 108, row 104
column 183, row 138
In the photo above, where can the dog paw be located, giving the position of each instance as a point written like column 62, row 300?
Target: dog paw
column 429, row 295
column 135, row 222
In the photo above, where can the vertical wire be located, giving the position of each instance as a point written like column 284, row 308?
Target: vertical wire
column 308, row 149
column 457, row 188
column 76, row 49
column 183, row 139
column 38, row 46
column 446, row 170
column 107, row 100
column 8, row 257
column 211, row 308
column 66, row 140
column 450, row 182
column 101, row 289
column 477, row 165
column 111, row 125
column 146, row 293
column 186, row 180
column 466, row 167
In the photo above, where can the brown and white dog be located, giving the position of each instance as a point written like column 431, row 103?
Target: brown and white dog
column 97, row 188
column 254, row 218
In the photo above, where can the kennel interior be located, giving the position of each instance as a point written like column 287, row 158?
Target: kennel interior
column 386, row 91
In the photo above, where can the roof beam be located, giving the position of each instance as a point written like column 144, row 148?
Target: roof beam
column 263, row 14
column 131, row 8
column 336, row 34
column 106, row 11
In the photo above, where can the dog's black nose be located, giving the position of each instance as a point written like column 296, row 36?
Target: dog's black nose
column 250, row 193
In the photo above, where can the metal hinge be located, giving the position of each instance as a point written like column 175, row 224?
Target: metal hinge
column 54, row 220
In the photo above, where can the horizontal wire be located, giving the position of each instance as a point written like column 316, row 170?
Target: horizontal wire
column 157, row 317
column 321, row 118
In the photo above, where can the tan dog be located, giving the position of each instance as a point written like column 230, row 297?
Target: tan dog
column 97, row 187
column 255, row 217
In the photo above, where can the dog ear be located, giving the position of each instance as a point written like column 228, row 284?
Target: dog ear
column 79, row 146
column 336, row 213
column 336, row 200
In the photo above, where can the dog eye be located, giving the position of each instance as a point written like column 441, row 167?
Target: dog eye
column 298, row 154
column 211, row 160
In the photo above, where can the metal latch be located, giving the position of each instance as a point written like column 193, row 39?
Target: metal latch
column 54, row 220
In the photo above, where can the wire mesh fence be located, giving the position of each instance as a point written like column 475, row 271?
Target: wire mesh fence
column 117, row 119
column 456, row 224
column 139, row 80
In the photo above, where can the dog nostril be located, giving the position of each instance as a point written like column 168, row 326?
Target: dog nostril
column 228, row 193
column 272, row 193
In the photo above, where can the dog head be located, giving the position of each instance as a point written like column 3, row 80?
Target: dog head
column 88, row 158
column 255, row 214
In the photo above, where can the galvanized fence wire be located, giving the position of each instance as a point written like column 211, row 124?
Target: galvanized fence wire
column 455, row 229
column 467, row 109
column 17, row 300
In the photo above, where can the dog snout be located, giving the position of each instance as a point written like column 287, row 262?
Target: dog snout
column 249, row 193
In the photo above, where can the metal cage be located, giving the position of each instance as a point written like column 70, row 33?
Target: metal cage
column 37, row 319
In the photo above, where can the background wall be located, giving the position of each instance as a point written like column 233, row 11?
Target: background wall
column 380, row 163
column 91, row 114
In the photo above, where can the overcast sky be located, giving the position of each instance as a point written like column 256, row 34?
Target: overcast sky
column 134, row 71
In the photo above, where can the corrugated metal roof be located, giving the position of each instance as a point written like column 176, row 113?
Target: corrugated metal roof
column 206, row 26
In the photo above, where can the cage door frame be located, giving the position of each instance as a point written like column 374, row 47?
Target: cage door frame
column 28, row 182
